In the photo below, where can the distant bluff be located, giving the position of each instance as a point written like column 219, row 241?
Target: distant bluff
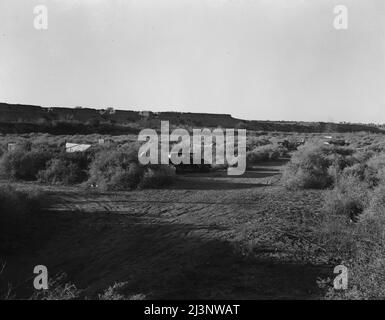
column 18, row 118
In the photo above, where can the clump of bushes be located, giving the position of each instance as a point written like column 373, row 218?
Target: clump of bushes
column 308, row 168
column 119, row 170
column 23, row 165
column 119, row 291
column 45, row 163
column 349, row 197
column 157, row 176
column 265, row 153
column 369, row 168
column 377, row 147
column 360, row 247
column 377, row 203
column 60, row 171
column 67, row 168
column 375, row 170
column 122, row 178
column 254, row 142
column 108, row 167
column 359, row 194
column 115, row 169
column 58, row 289
column 316, row 166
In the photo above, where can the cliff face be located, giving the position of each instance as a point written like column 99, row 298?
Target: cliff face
column 16, row 118
column 32, row 114
column 16, row 113
column 198, row 119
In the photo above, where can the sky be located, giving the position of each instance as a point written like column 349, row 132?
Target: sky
column 253, row 59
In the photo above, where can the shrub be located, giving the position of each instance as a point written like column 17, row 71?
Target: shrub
column 357, row 170
column 119, row 291
column 375, row 170
column 370, row 170
column 58, row 289
column 339, row 150
column 362, row 156
column 158, row 176
column 115, row 292
column 60, row 171
column 119, row 170
column 340, row 164
column 66, row 168
column 360, row 247
column 253, row 142
column 365, row 276
column 123, row 179
column 376, row 147
column 376, row 209
column 23, row 165
column 264, row 153
column 308, row 168
column 81, row 159
column 115, row 169
column 349, row 197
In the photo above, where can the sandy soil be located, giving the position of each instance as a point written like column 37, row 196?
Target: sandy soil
column 208, row 236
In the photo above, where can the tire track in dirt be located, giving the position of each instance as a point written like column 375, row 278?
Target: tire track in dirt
column 219, row 241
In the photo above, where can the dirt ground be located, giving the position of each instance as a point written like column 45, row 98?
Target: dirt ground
column 208, row 236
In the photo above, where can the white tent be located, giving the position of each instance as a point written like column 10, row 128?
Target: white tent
column 76, row 147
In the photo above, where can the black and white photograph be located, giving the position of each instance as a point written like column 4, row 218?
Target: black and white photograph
column 205, row 151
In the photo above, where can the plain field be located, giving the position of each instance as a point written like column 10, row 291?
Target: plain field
column 207, row 236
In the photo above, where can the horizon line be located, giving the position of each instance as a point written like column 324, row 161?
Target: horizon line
column 213, row 113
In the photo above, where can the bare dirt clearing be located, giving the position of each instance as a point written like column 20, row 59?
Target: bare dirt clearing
column 208, row 236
